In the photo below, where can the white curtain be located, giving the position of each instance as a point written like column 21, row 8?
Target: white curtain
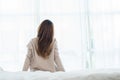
column 87, row 31
column 67, row 16
column 104, row 17
column 17, row 26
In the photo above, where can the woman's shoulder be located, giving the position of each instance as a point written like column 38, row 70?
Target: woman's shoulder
column 34, row 39
column 32, row 42
column 54, row 39
column 54, row 42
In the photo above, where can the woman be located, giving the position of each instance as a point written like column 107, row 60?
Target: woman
column 42, row 51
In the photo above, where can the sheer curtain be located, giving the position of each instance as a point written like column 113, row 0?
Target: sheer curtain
column 67, row 16
column 17, row 26
column 19, row 20
column 104, row 16
column 87, row 31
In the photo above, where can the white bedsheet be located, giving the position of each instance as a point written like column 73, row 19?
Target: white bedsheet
column 75, row 75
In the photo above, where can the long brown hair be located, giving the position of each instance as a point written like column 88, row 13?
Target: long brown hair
column 45, row 38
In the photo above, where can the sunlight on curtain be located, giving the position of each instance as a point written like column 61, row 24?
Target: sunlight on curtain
column 66, row 16
column 19, row 20
column 87, row 31
column 104, row 17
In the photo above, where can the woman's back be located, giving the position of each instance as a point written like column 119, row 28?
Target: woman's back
column 42, row 50
column 38, row 62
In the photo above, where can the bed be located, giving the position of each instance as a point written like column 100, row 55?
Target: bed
column 73, row 75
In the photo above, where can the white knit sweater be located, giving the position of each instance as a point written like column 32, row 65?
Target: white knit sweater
column 35, row 62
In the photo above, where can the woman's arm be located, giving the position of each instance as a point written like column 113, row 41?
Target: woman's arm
column 57, row 59
column 27, row 60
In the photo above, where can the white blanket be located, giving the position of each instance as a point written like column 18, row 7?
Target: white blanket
column 76, row 75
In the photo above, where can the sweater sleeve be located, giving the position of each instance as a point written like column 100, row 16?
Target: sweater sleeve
column 59, row 66
column 28, row 57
